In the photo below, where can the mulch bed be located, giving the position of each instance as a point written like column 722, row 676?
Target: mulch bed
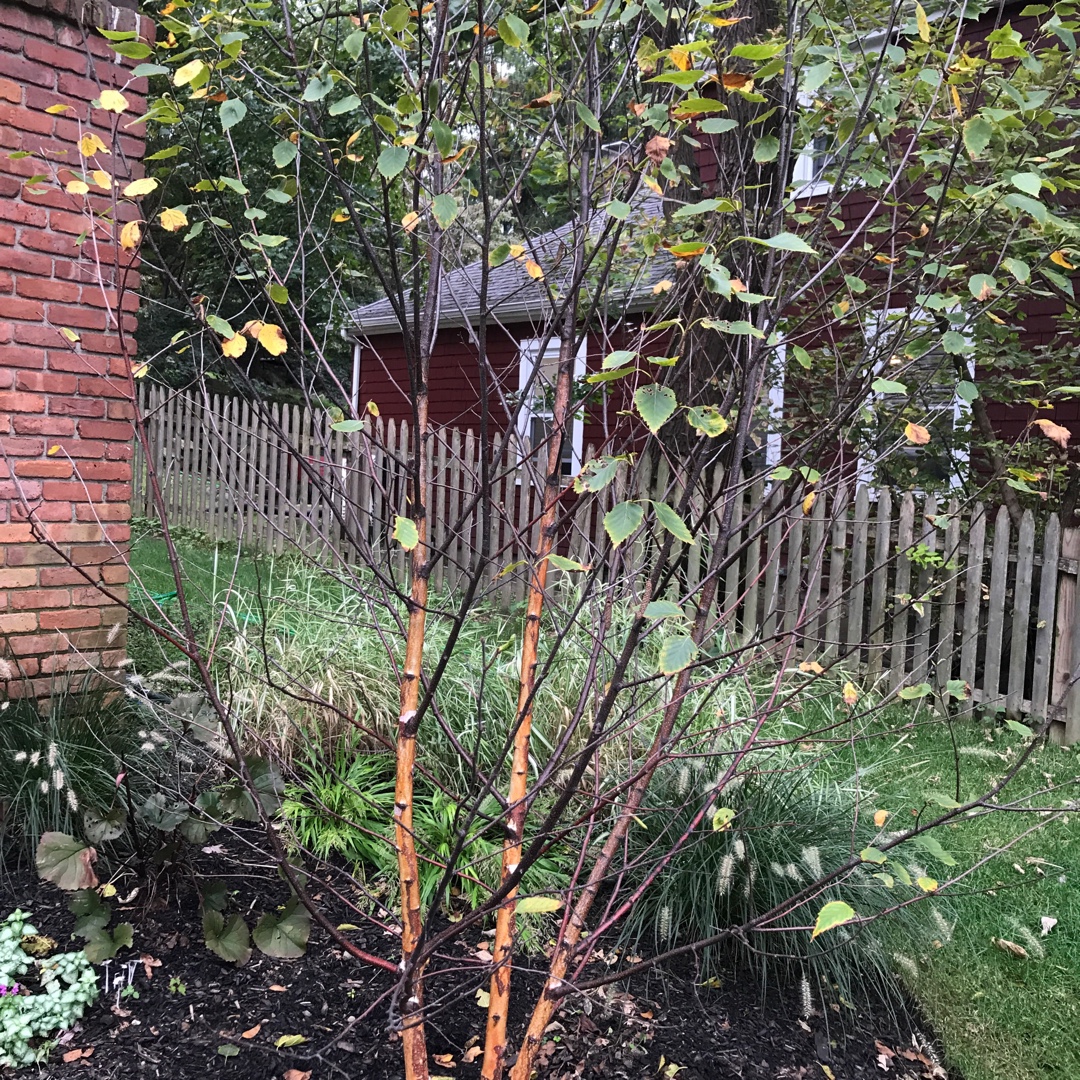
column 196, row 1015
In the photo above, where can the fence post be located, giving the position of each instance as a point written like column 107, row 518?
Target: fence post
column 1065, row 693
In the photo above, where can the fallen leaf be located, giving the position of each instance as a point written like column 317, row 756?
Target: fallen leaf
column 880, row 817
column 251, row 1032
column 657, row 149
column 471, row 1054
column 277, row 988
column 296, row 1074
column 445, row 1059
column 149, row 963
column 483, row 998
column 72, row 1055
column 1054, row 432
column 916, row 433
column 850, row 694
column 808, row 502
column 289, row 1040
column 1048, row 924
column 1010, row 947
column 827, row 1071
column 811, row 666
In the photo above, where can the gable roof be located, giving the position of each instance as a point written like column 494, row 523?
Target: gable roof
column 514, row 296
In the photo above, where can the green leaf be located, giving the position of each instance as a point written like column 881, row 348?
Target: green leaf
column 286, row 936
column 663, row 609
column 90, row 913
column 344, row 105
column 912, row 693
column 354, row 43
column 786, row 241
column 286, row 1041
column 622, row 520
column 348, row 426
column 586, row 116
column 932, row 846
column 133, row 50
column 834, row 913
column 66, row 862
column 1018, row 268
column 445, row 209
column 405, row 532
column 532, row 904
column 1030, row 183
column 318, row 87
column 707, row 419
column 444, row 138
column 758, row 52
column 672, row 522
column 231, row 113
column 392, row 160
column 561, row 562
column 718, row 125
column 284, row 153
column 872, row 855
column 952, row 341
column 227, row 1050
column 888, row 386
column 939, row 798
column 766, row 148
column 679, row 78
column 655, row 404
column 396, row 19
column 618, row 210
column 977, row 132
column 1020, row 729
column 617, row 359
column 160, row 813
column 278, row 293
column 104, row 825
column 228, row 939
column 677, row 652
column 143, row 71
column 815, row 77
column 966, row 391
column 722, row 818
column 982, row 286
column 802, row 356
column 597, row 474
column 513, row 30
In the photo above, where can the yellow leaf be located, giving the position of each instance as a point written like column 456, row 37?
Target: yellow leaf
column 76, row 187
column 927, row 884
column 410, row 221
column 52, row 110
column 995, row 318
column 661, row 287
column 290, row 1040
column 235, row 346
column 1059, row 258
column 517, row 250
column 533, row 270
column 102, row 179
column 680, row 58
column 808, row 502
column 712, row 21
column 958, row 105
column 52, row 451
column 916, row 433
column 445, row 1059
column 140, row 187
column 69, row 334
column 130, row 235
column 90, row 144
column 138, row 371
column 1054, row 432
column 272, row 339
column 880, row 817
column 922, row 22
column 850, row 694
column 251, row 1032
column 172, row 219
column 253, row 327
column 168, row 9
column 339, row 216
column 483, row 998
column 372, row 408
column 113, row 101
column 808, row 666
column 885, row 259
column 188, row 73
column 652, row 185
column 829, row 1074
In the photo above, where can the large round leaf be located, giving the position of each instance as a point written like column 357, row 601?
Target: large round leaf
column 286, row 935
column 102, row 825
column 66, row 862
column 227, row 938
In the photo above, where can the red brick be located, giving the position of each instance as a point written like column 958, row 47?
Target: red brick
column 22, row 623
column 104, row 470
column 55, row 55
column 51, row 576
column 20, row 491
column 21, row 403
column 53, row 468
column 22, row 213
column 58, row 511
column 89, row 596
column 115, row 575
column 30, row 554
column 107, row 388
column 80, row 363
column 23, row 448
column 26, row 262
column 10, row 91
column 114, row 511
column 30, row 310
column 69, row 620
column 36, row 599
column 15, row 116
column 36, row 288
column 76, row 406
column 25, row 71
column 65, row 315
column 40, row 382
column 105, row 429
column 23, row 578
column 71, row 491
column 43, row 425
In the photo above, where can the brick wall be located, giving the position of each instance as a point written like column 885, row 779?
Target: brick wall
column 66, row 324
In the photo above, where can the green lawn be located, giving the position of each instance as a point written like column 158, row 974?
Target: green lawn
column 999, row 1016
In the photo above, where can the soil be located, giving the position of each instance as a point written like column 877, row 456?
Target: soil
column 196, row 1015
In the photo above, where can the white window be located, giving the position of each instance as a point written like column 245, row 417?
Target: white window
column 808, row 175
column 538, row 398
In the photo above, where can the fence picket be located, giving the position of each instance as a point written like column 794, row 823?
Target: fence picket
column 946, row 646
column 1018, row 645
column 1044, row 617
column 995, row 619
column 969, row 644
column 882, row 555
column 834, row 601
column 818, row 552
column 923, row 597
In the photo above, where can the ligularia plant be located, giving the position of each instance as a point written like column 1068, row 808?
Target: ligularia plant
column 66, row 984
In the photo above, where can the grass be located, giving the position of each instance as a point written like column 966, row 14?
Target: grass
column 998, row 1015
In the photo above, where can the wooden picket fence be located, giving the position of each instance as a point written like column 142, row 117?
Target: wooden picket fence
column 907, row 592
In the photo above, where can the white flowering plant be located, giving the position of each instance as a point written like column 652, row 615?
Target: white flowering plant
column 39, row 996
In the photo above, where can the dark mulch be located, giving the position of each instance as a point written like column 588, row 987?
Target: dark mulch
column 666, row 1025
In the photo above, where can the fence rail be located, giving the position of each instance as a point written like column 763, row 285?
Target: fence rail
column 910, row 592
